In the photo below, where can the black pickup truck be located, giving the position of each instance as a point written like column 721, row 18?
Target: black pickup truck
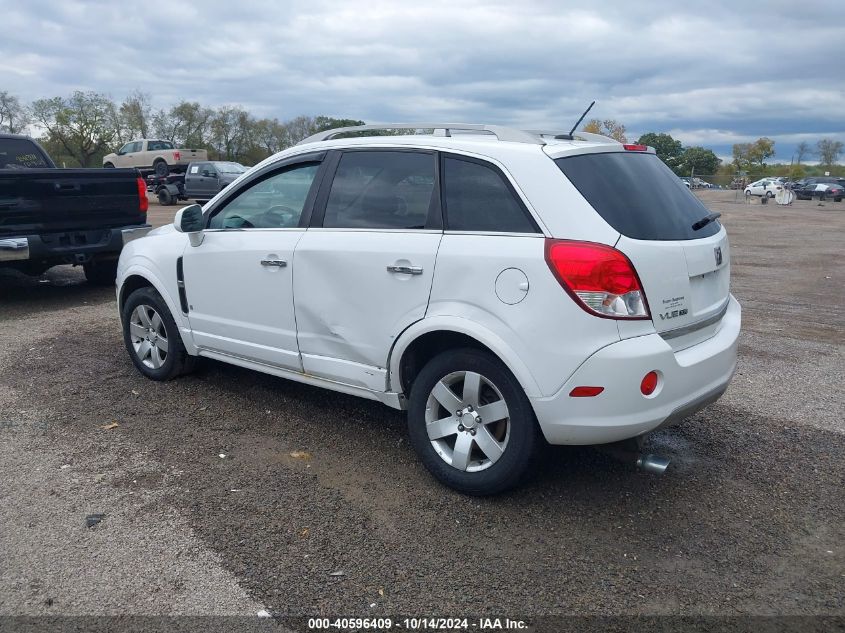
column 51, row 216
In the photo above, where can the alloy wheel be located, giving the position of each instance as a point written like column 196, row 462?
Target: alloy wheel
column 148, row 336
column 467, row 421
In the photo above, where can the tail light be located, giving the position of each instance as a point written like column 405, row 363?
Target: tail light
column 143, row 203
column 635, row 148
column 599, row 278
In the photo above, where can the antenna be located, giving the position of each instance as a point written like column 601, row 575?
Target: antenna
column 569, row 137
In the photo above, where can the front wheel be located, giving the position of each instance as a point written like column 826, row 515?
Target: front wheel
column 152, row 337
column 769, row 194
column 471, row 423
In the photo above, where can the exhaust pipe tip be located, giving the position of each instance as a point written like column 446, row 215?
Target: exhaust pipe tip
column 654, row 464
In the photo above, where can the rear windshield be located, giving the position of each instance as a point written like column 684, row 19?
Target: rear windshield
column 19, row 153
column 637, row 195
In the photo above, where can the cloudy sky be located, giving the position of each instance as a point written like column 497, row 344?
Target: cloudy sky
column 710, row 73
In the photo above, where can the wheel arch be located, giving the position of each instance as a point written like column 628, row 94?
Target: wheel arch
column 137, row 277
column 425, row 339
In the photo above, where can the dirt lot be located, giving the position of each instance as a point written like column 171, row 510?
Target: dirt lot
column 207, row 512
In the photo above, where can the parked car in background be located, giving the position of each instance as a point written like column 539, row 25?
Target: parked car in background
column 765, row 187
column 504, row 287
column 150, row 155
column 820, row 190
column 204, row 180
column 51, row 216
column 201, row 182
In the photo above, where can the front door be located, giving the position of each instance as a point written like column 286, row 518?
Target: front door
column 364, row 270
column 239, row 280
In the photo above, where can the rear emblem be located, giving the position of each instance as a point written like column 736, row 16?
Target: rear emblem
column 718, row 253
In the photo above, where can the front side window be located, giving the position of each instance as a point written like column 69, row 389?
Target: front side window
column 273, row 203
column 478, row 199
column 381, row 190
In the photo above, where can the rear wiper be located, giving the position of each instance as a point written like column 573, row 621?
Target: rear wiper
column 700, row 224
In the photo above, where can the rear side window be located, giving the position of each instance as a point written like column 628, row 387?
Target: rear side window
column 381, row 190
column 18, row 153
column 477, row 198
column 638, row 195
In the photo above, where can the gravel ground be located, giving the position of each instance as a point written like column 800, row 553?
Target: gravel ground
column 750, row 518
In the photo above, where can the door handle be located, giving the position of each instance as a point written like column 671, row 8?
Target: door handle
column 405, row 270
column 280, row 263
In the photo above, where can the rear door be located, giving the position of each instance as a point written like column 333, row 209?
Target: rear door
column 685, row 271
column 364, row 269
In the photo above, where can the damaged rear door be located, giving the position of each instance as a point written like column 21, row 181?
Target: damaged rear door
column 364, row 268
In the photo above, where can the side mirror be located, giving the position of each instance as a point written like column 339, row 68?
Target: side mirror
column 189, row 220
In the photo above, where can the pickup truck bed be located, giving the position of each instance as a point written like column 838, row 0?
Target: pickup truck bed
column 52, row 216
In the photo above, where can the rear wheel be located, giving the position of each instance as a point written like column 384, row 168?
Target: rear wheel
column 100, row 273
column 769, row 194
column 160, row 168
column 164, row 197
column 108, row 166
column 471, row 423
column 152, row 337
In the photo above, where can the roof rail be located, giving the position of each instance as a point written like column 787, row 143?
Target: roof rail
column 502, row 133
column 584, row 136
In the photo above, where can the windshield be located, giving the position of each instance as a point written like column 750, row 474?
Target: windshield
column 638, row 195
column 230, row 168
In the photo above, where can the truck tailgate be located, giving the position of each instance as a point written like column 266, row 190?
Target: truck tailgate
column 35, row 201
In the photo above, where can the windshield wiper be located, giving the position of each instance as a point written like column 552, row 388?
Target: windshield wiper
column 700, row 224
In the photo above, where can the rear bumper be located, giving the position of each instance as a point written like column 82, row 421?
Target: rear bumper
column 690, row 379
column 68, row 244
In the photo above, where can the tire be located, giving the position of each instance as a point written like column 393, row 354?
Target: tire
column 164, row 197
column 142, row 337
column 769, row 194
column 108, row 166
column 516, row 439
column 160, row 168
column 747, row 194
column 100, row 273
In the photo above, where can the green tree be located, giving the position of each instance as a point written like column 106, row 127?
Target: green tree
column 698, row 160
column 608, row 127
column 134, row 117
column 668, row 149
column 829, row 151
column 83, row 125
column 14, row 116
column 751, row 157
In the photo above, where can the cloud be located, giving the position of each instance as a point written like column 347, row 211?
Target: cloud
column 697, row 69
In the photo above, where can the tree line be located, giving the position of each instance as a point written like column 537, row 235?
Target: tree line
column 82, row 128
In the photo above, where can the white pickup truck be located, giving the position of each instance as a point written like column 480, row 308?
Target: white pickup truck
column 150, row 155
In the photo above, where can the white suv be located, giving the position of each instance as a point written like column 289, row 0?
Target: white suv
column 504, row 287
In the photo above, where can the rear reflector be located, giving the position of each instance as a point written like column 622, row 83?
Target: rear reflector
column 600, row 279
column 143, row 203
column 635, row 148
column 585, row 392
column 649, row 383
